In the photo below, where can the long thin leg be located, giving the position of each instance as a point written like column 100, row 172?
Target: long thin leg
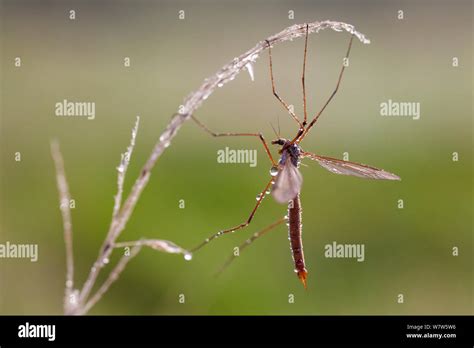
column 238, row 227
column 250, row 241
column 286, row 106
column 259, row 135
column 331, row 96
column 302, row 77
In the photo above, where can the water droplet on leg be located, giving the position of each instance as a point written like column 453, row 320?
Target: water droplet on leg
column 274, row 171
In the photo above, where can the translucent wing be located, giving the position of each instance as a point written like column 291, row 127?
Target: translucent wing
column 351, row 168
column 288, row 183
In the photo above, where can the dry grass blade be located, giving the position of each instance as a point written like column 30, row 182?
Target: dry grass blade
column 64, row 202
column 156, row 244
column 113, row 276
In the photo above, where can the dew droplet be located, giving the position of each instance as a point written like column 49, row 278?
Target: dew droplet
column 259, row 196
column 267, row 192
column 188, row 256
column 274, row 171
column 220, row 84
column 105, row 260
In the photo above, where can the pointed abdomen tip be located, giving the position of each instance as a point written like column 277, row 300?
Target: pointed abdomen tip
column 302, row 275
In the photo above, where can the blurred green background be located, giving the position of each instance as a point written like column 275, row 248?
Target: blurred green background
column 407, row 251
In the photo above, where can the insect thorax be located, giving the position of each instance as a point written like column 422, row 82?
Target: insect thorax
column 292, row 151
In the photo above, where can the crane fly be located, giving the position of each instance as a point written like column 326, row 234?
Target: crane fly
column 286, row 180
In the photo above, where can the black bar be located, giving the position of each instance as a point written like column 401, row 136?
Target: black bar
column 140, row 330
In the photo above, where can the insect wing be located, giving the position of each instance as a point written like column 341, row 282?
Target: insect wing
column 288, row 183
column 351, row 168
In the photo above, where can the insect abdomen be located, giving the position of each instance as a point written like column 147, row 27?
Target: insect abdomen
column 294, row 232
